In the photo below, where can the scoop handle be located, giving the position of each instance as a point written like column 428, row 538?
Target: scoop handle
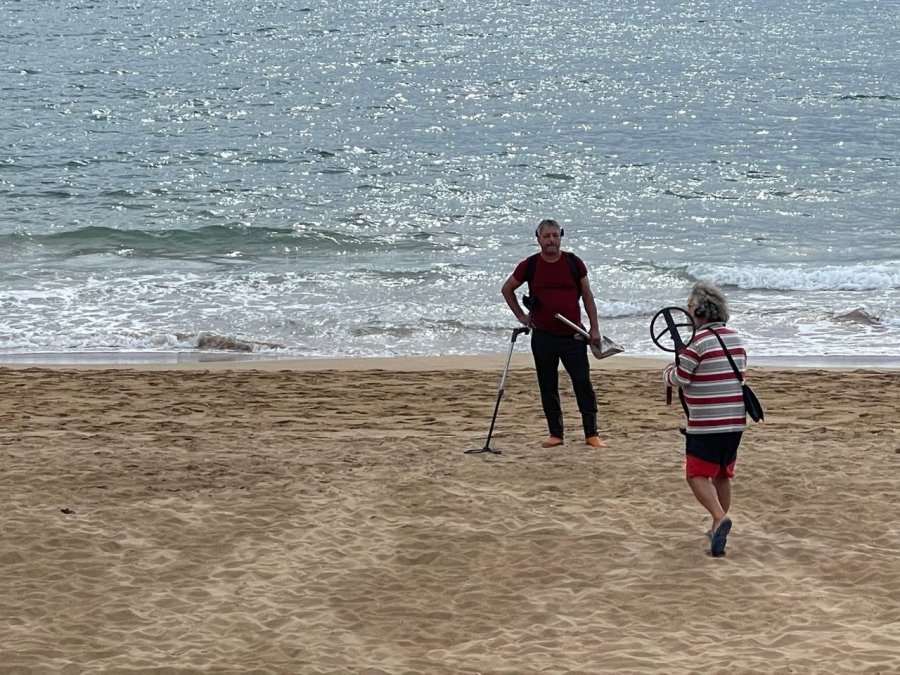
column 573, row 325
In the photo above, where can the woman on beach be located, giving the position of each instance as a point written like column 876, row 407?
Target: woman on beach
column 716, row 417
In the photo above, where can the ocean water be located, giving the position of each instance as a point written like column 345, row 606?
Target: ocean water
column 350, row 178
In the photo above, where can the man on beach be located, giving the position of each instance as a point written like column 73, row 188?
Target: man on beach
column 714, row 404
column 557, row 280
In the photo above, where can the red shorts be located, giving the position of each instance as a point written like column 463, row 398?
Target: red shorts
column 711, row 455
column 694, row 467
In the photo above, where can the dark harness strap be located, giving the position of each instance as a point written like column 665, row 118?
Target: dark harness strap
column 532, row 266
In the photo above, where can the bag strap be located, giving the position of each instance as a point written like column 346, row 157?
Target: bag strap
column 573, row 267
column 737, row 373
column 530, row 268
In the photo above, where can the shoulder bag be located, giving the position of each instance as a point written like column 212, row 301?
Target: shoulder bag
column 751, row 402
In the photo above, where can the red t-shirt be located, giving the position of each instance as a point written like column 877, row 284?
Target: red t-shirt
column 554, row 287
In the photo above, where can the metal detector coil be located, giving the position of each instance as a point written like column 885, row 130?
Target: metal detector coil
column 680, row 331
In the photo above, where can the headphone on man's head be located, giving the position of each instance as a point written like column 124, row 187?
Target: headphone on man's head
column 537, row 230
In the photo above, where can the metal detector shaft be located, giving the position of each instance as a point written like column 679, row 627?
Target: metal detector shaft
column 487, row 444
column 671, row 329
column 677, row 342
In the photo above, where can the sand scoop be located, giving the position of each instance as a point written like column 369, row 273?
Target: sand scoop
column 607, row 347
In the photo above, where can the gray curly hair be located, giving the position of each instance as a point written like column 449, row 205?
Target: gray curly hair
column 708, row 302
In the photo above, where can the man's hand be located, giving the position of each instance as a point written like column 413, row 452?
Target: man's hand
column 594, row 336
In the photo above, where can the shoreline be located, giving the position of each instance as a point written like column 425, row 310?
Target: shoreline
column 209, row 360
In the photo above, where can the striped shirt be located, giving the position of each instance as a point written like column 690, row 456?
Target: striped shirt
column 712, row 392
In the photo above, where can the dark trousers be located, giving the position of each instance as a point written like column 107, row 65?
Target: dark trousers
column 548, row 350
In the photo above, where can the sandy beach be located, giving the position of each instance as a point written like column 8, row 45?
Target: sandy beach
column 322, row 517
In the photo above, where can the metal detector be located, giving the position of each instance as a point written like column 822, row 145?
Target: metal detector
column 487, row 444
column 677, row 331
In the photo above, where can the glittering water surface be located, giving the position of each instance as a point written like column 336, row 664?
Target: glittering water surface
column 358, row 178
